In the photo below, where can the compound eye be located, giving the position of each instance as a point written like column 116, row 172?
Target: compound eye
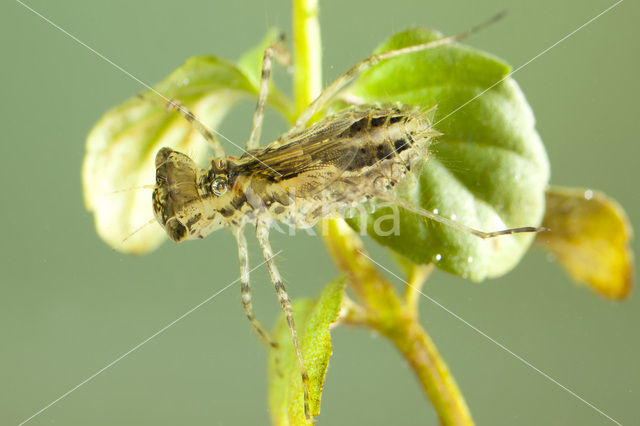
column 219, row 186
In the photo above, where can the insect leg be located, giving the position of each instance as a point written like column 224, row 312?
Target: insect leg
column 245, row 288
column 459, row 226
column 173, row 105
column 279, row 50
column 262, row 233
column 333, row 89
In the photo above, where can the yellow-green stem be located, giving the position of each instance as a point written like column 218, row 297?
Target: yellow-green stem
column 307, row 78
column 397, row 319
column 382, row 309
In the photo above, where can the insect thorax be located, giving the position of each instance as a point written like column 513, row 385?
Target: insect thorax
column 342, row 161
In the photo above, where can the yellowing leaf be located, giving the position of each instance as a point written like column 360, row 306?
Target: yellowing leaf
column 313, row 320
column 590, row 236
column 122, row 146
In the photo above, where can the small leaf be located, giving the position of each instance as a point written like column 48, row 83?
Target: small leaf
column 488, row 171
column 590, row 236
column 121, row 148
column 313, row 320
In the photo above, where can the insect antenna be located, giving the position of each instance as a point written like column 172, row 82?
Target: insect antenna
column 498, row 16
column 460, row 227
column 135, row 188
column 140, row 228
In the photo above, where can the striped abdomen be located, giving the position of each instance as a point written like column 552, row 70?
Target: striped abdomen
column 339, row 161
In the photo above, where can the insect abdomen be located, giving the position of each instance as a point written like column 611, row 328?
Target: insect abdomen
column 338, row 162
column 385, row 134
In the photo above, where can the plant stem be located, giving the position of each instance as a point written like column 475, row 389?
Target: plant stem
column 396, row 319
column 416, row 278
column 307, row 78
column 382, row 309
column 436, row 380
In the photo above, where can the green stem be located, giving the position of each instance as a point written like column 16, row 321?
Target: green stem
column 382, row 309
column 438, row 383
column 416, row 278
column 307, row 78
column 396, row 319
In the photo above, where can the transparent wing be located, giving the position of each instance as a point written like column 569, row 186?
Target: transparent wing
column 314, row 157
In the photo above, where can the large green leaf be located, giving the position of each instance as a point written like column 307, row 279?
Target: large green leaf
column 122, row 146
column 489, row 170
column 313, row 319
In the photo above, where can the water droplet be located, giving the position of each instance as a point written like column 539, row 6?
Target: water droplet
column 470, row 259
column 588, row 194
column 437, row 257
column 453, row 216
column 436, row 211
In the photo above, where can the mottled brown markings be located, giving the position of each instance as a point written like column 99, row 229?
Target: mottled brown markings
column 278, row 209
column 238, row 201
column 227, row 211
column 400, row 145
column 280, row 197
column 356, row 127
column 175, row 230
column 304, row 176
column 383, row 151
column 367, row 122
column 193, row 220
column 378, row 121
column 395, row 119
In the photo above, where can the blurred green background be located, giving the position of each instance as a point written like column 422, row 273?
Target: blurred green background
column 70, row 305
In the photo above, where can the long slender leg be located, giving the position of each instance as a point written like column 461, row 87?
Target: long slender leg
column 173, row 105
column 456, row 225
column 278, row 50
column 245, row 287
column 333, row 89
column 262, row 232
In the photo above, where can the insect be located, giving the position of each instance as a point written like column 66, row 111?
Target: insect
column 355, row 156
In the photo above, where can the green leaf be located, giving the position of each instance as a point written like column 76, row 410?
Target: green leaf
column 590, row 237
column 488, row 171
column 121, row 147
column 313, row 320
